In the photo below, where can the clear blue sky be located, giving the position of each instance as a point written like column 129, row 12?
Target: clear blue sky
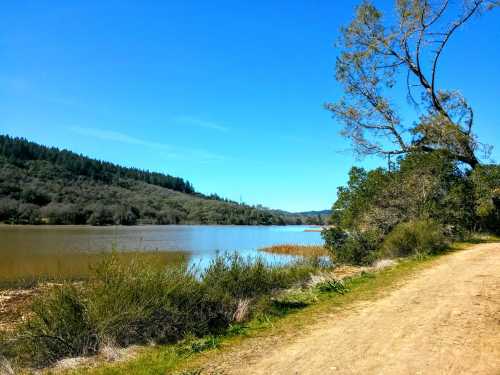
column 227, row 94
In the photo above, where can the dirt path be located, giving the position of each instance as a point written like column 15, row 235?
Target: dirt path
column 445, row 320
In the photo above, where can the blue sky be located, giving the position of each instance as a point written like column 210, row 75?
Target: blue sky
column 228, row 94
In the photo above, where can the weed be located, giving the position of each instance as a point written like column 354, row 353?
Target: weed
column 336, row 286
column 295, row 299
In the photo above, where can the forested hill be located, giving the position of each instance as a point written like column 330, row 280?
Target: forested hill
column 39, row 184
column 18, row 151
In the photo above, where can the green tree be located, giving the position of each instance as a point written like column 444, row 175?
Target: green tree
column 421, row 186
column 355, row 199
column 375, row 55
column 486, row 187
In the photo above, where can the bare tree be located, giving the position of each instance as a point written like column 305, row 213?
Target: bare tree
column 373, row 60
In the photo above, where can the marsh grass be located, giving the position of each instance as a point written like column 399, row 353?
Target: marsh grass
column 267, row 323
column 247, row 278
column 298, row 250
column 141, row 301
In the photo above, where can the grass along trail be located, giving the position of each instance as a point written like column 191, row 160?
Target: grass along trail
column 397, row 319
column 444, row 319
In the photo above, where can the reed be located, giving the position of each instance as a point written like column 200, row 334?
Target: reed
column 140, row 301
column 299, row 250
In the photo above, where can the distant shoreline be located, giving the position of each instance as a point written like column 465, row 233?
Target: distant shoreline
column 6, row 225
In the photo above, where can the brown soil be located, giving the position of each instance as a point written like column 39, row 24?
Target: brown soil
column 14, row 305
column 444, row 320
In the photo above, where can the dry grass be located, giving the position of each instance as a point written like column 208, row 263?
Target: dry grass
column 300, row 250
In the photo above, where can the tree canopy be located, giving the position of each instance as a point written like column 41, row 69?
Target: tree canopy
column 376, row 56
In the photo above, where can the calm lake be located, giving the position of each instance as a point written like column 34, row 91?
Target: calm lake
column 32, row 251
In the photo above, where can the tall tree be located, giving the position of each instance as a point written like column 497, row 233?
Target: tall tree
column 375, row 55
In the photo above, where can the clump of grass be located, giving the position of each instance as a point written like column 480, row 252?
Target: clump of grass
column 336, row 286
column 299, row 250
column 142, row 302
column 62, row 327
column 295, row 299
column 197, row 345
column 246, row 278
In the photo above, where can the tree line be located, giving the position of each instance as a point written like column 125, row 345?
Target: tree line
column 18, row 151
column 422, row 195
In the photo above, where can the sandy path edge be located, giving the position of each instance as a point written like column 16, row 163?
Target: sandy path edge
column 444, row 320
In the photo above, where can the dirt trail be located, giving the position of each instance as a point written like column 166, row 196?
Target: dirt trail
column 445, row 320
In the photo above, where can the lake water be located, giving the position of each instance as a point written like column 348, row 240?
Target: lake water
column 27, row 251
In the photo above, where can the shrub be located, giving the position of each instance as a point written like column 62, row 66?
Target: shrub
column 60, row 213
column 333, row 237
column 8, row 209
column 35, row 195
column 359, row 248
column 244, row 278
column 415, row 237
column 28, row 214
column 140, row 301
column 486, row 185
column 101, row 216
column 353, row 248
column 125, row 303
column 61, row 326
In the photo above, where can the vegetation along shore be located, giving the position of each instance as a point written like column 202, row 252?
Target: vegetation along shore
column 423, row 224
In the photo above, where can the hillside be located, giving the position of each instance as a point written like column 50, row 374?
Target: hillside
column 320, row 216
column 39, row 184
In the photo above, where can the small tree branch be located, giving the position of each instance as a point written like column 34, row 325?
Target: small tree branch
column 448, row 34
